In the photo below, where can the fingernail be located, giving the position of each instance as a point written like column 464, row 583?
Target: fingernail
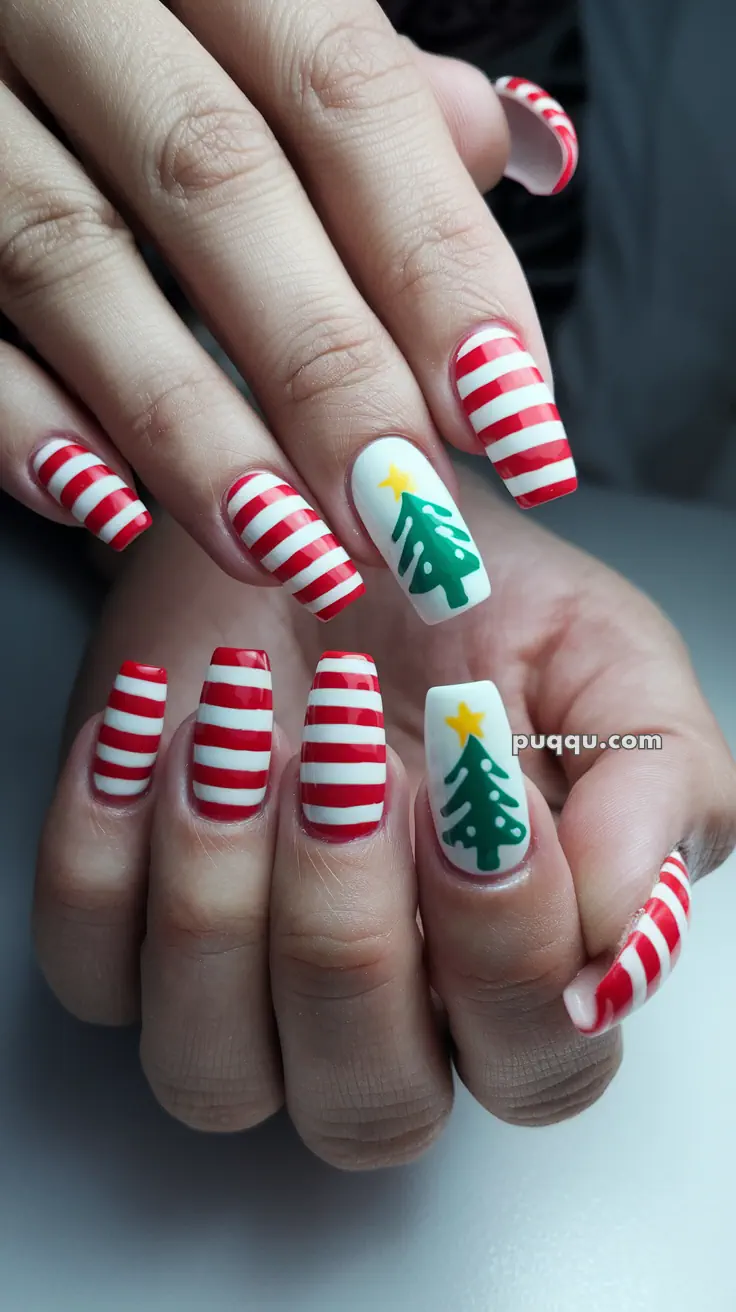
column 343, row 770
column 476, row 787
column 544, row 143
column 418, row 529
column 233, row 733
column 84, row 485
column 644, row 962
column 512, row 412
column 130, row 733
column 288, row 538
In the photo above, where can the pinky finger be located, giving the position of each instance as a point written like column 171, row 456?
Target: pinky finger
column 54, row 459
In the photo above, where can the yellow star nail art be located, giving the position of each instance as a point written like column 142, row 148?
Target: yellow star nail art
column 466, row 722
column 399, row 481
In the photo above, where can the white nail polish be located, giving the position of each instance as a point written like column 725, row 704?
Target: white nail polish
column 418, row 529
column 476, row 787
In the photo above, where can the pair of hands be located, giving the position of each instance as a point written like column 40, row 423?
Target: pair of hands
column 278, row 967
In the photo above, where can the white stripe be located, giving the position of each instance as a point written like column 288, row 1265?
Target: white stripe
column 329, row 560
column 68, row 471
column 343, row 815
column 88, row 500
column 229, row 796
column 493, row 369
column 239, row 676
column 671, row 900
column 525, row 89
column 302, row 537
column 501, row 83
column 116, row 756
column 632, row 964
column 510, row 403
column 228, row 718
column 350, row 584
column 651, row 930
column 360, row 698
column 546, row 102
column 352, row 734
column 261, row 483
column 120, row 521
column 494, row 334
column 559, row 472
column 560, row 120
column 140, row 688
column 346, row 665
column 525, row 439
column 119, row 787
column 229, row 758
column 270, row 516
column 146, row 725
column 672, row 869
column 50, row 449
column 340, row 772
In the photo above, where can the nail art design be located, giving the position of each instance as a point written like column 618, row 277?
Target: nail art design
column 343, row 770
column 544, row 143
column 233, row 733
column 130, row 733
column 83, row 484
column 418, row 529
column 290, row 540
column 476, row 787
column 511, row 410
column 644, row 962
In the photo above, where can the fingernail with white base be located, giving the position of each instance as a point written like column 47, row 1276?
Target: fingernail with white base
column 83, row 484
column 343, row 767
column 598, row 999
column 233, row 733
column 130, row 733
column 544, row 143
column 476, row 787
column 418, row 529
column 512, row 412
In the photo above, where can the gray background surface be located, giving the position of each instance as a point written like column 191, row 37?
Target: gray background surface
column 108, row 1206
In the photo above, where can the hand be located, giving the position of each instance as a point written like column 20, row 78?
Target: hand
column 305, row 173
column 573, row 649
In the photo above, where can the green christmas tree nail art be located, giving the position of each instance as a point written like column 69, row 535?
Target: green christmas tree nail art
column 433, row 543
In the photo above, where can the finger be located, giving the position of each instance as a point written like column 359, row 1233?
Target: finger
column 500, row 918
column 367, row 1082
column 55, row 460
column 93, row 857
column 71, row 279
column 370, row 139
column 208, row 1041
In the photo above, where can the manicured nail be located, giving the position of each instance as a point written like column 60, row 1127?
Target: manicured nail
column 511, row 410
column 84, row 485
column 595, row 1004
column 418, row 529
column 233, row 733
column 130, row 733
column 476, row 787
column 544, row 143
column 288, row 538
column 343, row 770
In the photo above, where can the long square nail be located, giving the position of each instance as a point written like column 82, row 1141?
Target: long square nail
column 233, row 734
column 130, row 733
column 85, row 486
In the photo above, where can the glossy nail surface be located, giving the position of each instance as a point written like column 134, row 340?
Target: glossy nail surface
column 418, row 529
column 130, row 733
column 644, row 962
column 85, row 486
column 343, row 767
column 288, row 538
column 544, row 143
column 233, row 733
column 512, row 412
column 476, row 787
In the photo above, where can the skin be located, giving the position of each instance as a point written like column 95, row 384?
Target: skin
column 276, row 968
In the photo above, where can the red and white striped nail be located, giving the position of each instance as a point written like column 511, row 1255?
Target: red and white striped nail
column 288, row 538
column 544, row 144
column 233, row 734
column 130, row 733
column 512, row 412
column 85, row 486
column 343, row 769
column 651, row 950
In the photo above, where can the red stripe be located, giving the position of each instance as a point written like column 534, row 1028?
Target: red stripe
column 533, row 414
column 128, row 742
column 220, row 812
column 486, row 352
column 125, row 701
column 678, row 861
column 528, row 376
column 344, row 753
column 258, row 503
column 80, row 483
column 527, row 500
column 54, row 462
column 344, row 715
column 334, row 608
column 113, row 771
column 342, row 833
column 346, row 656
column 673, row 883
column 242, row 657
column 131, row 531
column 537, row 457
column 285, row 528
column 305, row 556
column 327, row 581
column 616, row 990
column 342, row 794
column 240, row 740
column 132, row 670
column 108, row 508
column 646, row 952
column 242, row 482
column 331, row 679
column 665, row 922
column 217, row 778
column 237, row 698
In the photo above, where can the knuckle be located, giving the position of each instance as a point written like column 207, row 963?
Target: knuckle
column 209, row 148
column 165, row 409
column 325, row 965
column 550, row 1085
column 331, row 358
column 52, row 238
column 209, row 924
column 354, row 67
column 447, row 251
column 402, row 1134
column 215, row 1106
